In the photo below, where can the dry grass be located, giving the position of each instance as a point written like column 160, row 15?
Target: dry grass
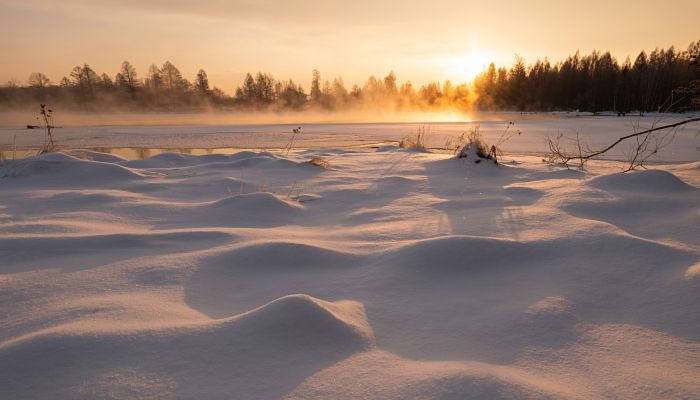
column 473, row 143
column 416, row 142
column 290, row 144
column 320, row 162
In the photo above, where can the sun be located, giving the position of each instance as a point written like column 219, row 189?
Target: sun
column 465, row 67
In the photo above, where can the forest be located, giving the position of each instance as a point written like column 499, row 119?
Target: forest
column 660, row 80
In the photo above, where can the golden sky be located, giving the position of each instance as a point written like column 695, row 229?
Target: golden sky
column 420, row 41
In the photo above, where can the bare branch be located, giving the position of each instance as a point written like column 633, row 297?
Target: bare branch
column 639, row 154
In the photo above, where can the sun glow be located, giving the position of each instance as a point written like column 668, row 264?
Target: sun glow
column 467, row 66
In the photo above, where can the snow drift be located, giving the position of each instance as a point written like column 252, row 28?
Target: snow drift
column 393, row 274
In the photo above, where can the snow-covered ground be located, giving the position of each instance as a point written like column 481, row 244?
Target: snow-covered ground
column 394, row 274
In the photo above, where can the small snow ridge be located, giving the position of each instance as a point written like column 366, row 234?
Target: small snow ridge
column 264, row 202
column 551, row 305
column 300, row 317
column 165, row 160
column 649, row 181
column 241, row 155
column 693, row 272
column 250, row 209
column 550, row 322
column 396, row 183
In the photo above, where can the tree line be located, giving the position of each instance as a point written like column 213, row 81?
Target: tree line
column 386, row 94
column 662, row 80
column 163, row 88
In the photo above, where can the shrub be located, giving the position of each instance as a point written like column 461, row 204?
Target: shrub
column 476, row 147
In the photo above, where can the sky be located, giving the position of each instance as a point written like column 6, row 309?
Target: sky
column 420, row 41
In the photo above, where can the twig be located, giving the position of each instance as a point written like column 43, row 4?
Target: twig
column 642, row 145
column 290, row 144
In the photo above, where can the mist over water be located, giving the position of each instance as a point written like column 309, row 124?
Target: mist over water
column 21, row 118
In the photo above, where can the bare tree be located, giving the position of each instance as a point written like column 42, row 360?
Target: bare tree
column 154, row 79
column 38, row 80
column 12, row 83
column 106, row 81
column 172, row 78
column 84, row 76
column 127, row 76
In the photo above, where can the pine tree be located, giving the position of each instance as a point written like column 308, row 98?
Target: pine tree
column 201, row 82
column 316, row 87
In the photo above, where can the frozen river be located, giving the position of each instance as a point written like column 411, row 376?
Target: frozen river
column 130, row 140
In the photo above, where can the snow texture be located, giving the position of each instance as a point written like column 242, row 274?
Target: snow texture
column 390, row 275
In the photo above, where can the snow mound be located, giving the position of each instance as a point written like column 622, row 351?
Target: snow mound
column 250, row 209
column 648, row 181
column 262, row 201
column 165, row 160
column 176, row 160
column 458, row 254
column 264, row 353
column 217, row 287
column 242, row 155
column 209, row 158
column 301, row 318
column 64, row 169
column 380, row 375
column 245, row 160
column 551, row 322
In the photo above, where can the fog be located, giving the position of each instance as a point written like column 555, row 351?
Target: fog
column 20, row 118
